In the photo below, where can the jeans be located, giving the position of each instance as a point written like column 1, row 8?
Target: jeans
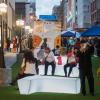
column 46, row 67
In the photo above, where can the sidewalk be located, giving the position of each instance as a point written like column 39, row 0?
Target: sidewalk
column 10, row 59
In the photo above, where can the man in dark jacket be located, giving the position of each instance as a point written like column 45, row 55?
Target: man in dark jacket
column 30, row 42
column 85, row 67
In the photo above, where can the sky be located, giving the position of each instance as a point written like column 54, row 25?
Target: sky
column 44, row 7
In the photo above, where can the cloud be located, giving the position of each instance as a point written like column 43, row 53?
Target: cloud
column 45, row 6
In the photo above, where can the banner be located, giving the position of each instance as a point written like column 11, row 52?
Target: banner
column 36, row 41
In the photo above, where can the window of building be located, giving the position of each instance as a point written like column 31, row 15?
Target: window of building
column 95, row 5
column 98, row 15
column 91, row 7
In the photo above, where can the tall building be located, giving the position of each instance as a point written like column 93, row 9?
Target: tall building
column 11, row 18
column 57, row 12
column 95, row 12
column 62, row 15
column 72, row 14
column 69, row 19
column 78, row 14
column 20, row 8
column 65, row 5
column 32, row 14
column 83, row 13
column 26, row 10
column 8, row 20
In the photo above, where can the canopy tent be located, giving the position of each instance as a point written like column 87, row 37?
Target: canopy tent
column 68, row 34
column 93, row 31
column 72, row 34
column 77, row 34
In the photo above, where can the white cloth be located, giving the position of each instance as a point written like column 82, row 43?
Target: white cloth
column 35, row 51
column 11, row 45
column 30, row 67
column 50, row 57
column 72, row 59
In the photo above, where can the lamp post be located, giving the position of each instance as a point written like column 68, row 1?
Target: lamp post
column 20, row 24
column 3, row 10
column 5, row 73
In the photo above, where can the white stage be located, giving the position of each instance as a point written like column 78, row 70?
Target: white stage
column 32, row 84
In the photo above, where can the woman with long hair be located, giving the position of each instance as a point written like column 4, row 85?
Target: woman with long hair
column 28, row 66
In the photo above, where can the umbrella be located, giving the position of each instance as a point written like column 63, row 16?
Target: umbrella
column 93, row 31
column 68, row 34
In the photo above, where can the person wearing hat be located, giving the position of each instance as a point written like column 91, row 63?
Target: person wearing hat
column 85, row 66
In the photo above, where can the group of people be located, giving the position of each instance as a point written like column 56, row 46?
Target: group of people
column 76, row 54
column 11, row 45
column 83, row 51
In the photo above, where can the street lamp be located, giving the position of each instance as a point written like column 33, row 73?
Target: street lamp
column 20, row 24
column 3, row 10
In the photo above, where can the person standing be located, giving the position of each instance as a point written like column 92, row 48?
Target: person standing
column 44, row 44
column 85, row 66
column 49, row 59
column 8, row 44
column 30, row 42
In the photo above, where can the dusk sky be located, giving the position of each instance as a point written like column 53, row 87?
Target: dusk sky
column 45, row 6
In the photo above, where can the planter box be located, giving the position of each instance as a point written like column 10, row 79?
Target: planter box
column 5, row 76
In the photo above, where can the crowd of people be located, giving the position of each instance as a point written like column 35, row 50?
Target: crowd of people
column 11, row 45
column 77, row 51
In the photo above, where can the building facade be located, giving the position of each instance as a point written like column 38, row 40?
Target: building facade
column 20, row 11
column 7, row 21
column 83, row 13
column 57, row 12
column 26, row 10
column 63, row 15
column 65, row 5
column 11, row 18
column 48, row 27
column 95, row 12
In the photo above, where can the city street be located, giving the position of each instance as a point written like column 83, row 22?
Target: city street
column 49, row 49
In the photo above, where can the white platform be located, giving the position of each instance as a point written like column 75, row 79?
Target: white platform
column 59, row 69
column 32, row 84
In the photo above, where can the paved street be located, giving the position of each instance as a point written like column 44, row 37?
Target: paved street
column 10, row 59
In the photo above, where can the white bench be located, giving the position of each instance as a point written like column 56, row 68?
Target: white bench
column 60, row 69
column 32, row 84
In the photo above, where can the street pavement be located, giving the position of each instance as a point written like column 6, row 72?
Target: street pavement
column 10, row 59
